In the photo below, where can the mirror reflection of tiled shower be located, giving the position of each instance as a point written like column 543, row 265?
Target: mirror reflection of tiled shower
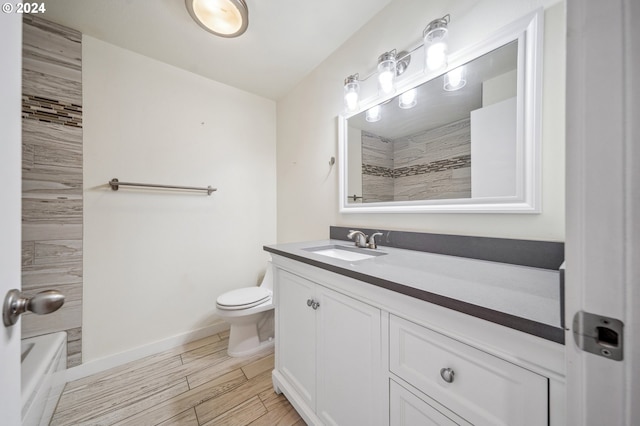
column 432, row 164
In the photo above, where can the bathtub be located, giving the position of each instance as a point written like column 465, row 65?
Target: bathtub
column 44, row 360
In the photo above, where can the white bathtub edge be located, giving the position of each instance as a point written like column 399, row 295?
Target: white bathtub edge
column 102, row 364
column 36, row 365
column 42, row 377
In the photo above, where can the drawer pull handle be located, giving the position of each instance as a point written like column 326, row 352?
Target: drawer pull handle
column 447, row 375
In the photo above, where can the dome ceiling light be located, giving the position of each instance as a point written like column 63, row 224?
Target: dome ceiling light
column 224, row 18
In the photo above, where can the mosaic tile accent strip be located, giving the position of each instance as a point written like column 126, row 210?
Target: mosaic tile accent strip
column 420, row 169
column 435, row 166
column 371, row 170
column 51, row 111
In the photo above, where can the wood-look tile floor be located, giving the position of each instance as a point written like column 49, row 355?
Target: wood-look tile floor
column 196, row 384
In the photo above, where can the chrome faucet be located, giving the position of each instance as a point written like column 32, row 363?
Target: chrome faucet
column 362, row 240
column 359, row 237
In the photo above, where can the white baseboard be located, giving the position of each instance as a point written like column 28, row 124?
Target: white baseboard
column 102, row 364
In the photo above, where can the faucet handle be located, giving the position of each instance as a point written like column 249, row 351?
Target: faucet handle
column 371, row 243
column 359, row 237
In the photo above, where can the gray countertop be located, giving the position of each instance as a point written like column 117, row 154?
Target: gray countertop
column 520, row 297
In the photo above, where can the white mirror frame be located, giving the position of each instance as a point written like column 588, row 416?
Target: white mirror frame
column 528, row 31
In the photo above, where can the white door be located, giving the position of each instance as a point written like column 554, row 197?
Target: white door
column 603, row 207
column 10, row 205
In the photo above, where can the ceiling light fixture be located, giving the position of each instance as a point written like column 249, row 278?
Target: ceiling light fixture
column 224, row 18
column 392, row 64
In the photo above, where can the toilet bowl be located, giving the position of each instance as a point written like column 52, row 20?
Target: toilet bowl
column 247, row 310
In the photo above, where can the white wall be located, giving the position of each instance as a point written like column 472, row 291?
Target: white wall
column 155, row 261
column 308, row 136
column 499, row 88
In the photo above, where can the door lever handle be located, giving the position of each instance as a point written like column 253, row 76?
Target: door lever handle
column 17, row 303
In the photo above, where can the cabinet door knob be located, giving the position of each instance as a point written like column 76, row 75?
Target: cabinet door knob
column 447, row 375
column 315, row 305
column 309, row 302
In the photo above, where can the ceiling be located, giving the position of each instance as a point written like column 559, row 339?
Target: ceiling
column 286, row 39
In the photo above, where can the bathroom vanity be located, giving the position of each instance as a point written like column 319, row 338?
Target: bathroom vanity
column 405, row 337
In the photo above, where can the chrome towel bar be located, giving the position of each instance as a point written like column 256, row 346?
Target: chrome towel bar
column 115, row 184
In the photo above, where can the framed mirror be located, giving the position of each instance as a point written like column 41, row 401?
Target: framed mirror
column 464, row 140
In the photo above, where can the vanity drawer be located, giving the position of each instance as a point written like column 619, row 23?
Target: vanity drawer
column 407, row 409
column 483, row 389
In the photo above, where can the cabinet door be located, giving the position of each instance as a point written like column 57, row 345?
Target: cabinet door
column 296, row 334
column 349, row 361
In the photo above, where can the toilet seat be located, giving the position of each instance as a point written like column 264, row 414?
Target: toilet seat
column 243, row 298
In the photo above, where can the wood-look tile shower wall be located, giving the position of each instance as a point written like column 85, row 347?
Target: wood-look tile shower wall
column 52, row 176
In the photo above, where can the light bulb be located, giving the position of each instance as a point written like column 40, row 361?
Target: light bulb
column 373, row 114
column 455, row 79
column 386, row 81
column 351, row 92
column 437, row 56
column 351, row 101
column 408, row 99
column 387, row 72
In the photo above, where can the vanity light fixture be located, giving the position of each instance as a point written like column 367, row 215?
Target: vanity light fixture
column 435, row 43
column 455, row 79
column 224, row 18
column 373, row 114
column 387, row 72
column 408, row 99
column 392, row 64
column 351, row 92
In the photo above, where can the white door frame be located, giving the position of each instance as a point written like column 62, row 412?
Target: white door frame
column 10, row 207
column 603, row 204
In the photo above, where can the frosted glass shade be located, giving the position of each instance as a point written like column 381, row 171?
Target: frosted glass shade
column 225, row 18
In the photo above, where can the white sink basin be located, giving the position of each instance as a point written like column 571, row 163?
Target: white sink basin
column 345, row 253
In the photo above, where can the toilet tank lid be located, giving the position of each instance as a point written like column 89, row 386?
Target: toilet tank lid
column 243, row 296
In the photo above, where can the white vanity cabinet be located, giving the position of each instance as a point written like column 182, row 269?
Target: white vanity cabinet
column 328, row 353
column 353, row 353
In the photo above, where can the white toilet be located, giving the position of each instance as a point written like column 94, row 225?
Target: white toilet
column 248, row 310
